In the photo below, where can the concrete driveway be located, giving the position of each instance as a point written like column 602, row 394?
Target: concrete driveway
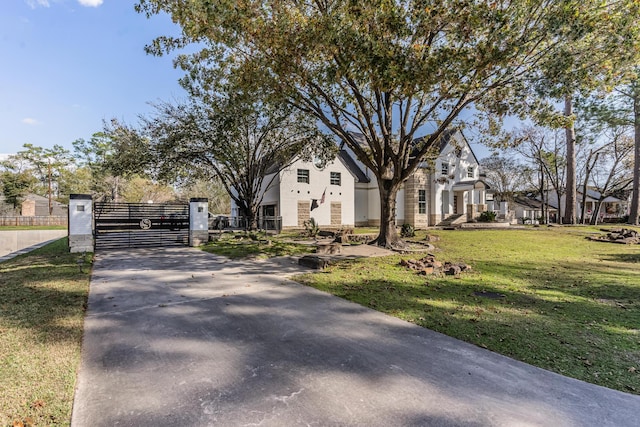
column 179, row 337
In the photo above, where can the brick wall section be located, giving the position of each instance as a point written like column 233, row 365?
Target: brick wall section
column 304, row 212
column 418, row 181
column 336, row 213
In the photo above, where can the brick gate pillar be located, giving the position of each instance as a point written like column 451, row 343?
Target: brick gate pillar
column 80, row 228
column 198, row 221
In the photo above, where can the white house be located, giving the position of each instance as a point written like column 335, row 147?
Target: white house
column 448, row 189
column 304, row 190
column 344, row 193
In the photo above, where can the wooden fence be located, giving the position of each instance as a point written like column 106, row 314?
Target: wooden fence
column 32, row 220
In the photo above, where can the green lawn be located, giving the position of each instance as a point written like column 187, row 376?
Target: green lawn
column 33, row 227
column 561, row 302
column 261, row 246
column 42, row 301
column 566, row 304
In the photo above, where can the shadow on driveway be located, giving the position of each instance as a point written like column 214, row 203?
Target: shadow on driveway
column 181, row 337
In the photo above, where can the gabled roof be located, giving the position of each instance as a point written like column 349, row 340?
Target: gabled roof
column 351, row 165
column 530, row 203
column 595, row 195
column 470, row 184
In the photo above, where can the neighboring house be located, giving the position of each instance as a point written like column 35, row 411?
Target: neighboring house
column 346, row 192
column 529, row 211
column 611, row 208
column 34, row 205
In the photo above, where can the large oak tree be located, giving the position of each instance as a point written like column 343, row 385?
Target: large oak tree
column 234, row 139
column 384, row 69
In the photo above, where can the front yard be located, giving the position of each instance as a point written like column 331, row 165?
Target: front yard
column 42, row 303
column 545, row 296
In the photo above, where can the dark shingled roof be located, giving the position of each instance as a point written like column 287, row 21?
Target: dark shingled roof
column 350, row 164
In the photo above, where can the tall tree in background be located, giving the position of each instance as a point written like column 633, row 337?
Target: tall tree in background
column 597, row 48
column 506, row 176
column 49, row 167
column 622, row 108
column 610, row 173
column 213, row 190
column 15, row 186
column 384, row 69
column 545, row 149
column 97, row 154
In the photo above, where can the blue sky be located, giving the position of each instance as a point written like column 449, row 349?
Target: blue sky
column 69, row 64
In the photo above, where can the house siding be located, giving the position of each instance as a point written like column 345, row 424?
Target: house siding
column 359, row 201
column 418, row 181
column 293, row 195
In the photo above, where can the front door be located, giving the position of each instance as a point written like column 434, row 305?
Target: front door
column 455, row 204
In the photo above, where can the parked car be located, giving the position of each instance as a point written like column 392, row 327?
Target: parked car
column 218, row 222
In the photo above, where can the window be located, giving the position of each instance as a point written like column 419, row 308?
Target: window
column 422, row 201
column 303, row 175
column 319, row 163
column 470, row 172
column 445, row 169
column 336, row 178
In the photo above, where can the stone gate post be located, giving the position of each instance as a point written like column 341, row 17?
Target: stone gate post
column 80, row 223
column 198, row 221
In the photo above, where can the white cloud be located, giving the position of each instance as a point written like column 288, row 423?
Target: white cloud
column 35, row 3
column 30, row 121
column 90, row 3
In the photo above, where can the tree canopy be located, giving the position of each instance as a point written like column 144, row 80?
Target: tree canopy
column 384, row 69
column 236, row 140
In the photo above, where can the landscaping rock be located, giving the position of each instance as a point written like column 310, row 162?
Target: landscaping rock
column 624, row 236
column 429, row 265
column 452, row 269
column 313, row 261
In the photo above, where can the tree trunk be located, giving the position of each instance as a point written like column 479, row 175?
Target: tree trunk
column 249, row 213
column 596, row 213
column 388, row 235
column 591, row 163
column 571, row 194
column 634, row 211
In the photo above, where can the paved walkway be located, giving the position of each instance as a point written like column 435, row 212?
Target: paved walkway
column 179, row 337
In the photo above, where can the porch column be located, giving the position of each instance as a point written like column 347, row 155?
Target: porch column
column 504, row 206
column 198, row 221
column 80, row 228
column 471, row 212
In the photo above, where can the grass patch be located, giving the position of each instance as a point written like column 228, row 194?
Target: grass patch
column 565, row 304
column 43, row 296
column 260, row 246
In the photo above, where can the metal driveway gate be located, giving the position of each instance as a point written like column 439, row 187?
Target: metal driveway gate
column 137, row 225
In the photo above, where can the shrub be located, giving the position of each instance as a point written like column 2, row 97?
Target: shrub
column 407, row 230
column 487, row 216
column 311, row 228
